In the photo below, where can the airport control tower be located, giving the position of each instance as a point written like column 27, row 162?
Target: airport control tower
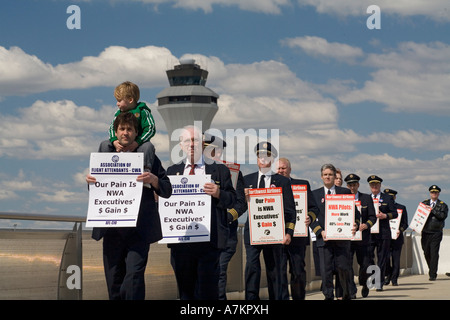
column 187, row 100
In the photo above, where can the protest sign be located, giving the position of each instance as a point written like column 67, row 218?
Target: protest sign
column 186, row 215
column 339, row 216
column 115, row 197
column 376, row 227
column 301, row 208
column 234, row 171
column 266, row 216
column 395, row 224
column 358, row 234
column 420, row 217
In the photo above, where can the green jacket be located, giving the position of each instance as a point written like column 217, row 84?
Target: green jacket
column 146, row 124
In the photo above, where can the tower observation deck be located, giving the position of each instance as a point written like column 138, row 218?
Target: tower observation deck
column 187, row 100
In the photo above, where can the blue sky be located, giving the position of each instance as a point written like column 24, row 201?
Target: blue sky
column 368, row 101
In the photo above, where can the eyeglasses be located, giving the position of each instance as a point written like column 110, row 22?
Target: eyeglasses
column 193, row 140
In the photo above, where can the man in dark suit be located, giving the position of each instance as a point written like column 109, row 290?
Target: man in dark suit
column 296, row 250
column 196, row 265
column 393, row 263
column 332, row 253
column 125, row 249
column 361, row 247
column 382, row 240
column 432, row 230
column 213, row 150
column 273, row 253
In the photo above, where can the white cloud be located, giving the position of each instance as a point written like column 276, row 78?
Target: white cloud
column 61, row 196
column 8, row 195
column 412, row 58
column 24, row 74
column 274, row 112
column 436, row 9
column 54, row 130
column 255, row 79
column 317, row 46
column 413, row 77
column 263, row 6
column 414, row 140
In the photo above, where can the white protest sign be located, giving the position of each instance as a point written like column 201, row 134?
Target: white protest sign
column 186, row 215
column 234, row 171
column 339, row 216
column 358, row 234
column 301, row 207
column 266, row 216
column 395, row 224
column 420, row 217
column 376, row 227
column 115, row 197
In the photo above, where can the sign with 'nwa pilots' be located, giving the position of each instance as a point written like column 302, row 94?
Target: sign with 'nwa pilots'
column 339, row 216
column 115, row 197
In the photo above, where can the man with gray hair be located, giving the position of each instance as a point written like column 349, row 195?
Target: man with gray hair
column 332, row 253
column 296, row 251
column 196, row 264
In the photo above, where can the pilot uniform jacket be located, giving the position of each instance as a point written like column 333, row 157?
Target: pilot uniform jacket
column 386, row 206
column 312, row 208
column 276, row 180
column 274, row 257
column 148, row 225
column 436, row 219
column 318, row 225
column 367, row 216
column 239, row 208
column 220, row 174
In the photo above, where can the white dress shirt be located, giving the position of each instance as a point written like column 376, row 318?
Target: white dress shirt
column 199, row 168
column 267, row 178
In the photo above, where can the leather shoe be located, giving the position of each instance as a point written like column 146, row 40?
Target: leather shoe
column 365, row 291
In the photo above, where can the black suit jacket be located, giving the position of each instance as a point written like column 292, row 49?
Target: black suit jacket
column 220, row 174
column 251, row 181
column 318, row 225
column 148, row 224
column 367, row 216
column 313, row 211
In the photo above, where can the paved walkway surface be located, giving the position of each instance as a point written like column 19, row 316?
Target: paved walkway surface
column 414, row 287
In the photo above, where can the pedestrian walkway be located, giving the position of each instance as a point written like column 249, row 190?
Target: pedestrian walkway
column 413, row 287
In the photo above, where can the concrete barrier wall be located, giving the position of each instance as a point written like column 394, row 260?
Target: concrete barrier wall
column 160, row 280
column 419, row 265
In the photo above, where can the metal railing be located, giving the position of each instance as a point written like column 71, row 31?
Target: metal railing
column 72, row 254
column 160, row 280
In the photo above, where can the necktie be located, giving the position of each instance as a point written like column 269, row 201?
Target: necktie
column 192, row 171
column 433, row 204
column 262, row 183
column 329, row 191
